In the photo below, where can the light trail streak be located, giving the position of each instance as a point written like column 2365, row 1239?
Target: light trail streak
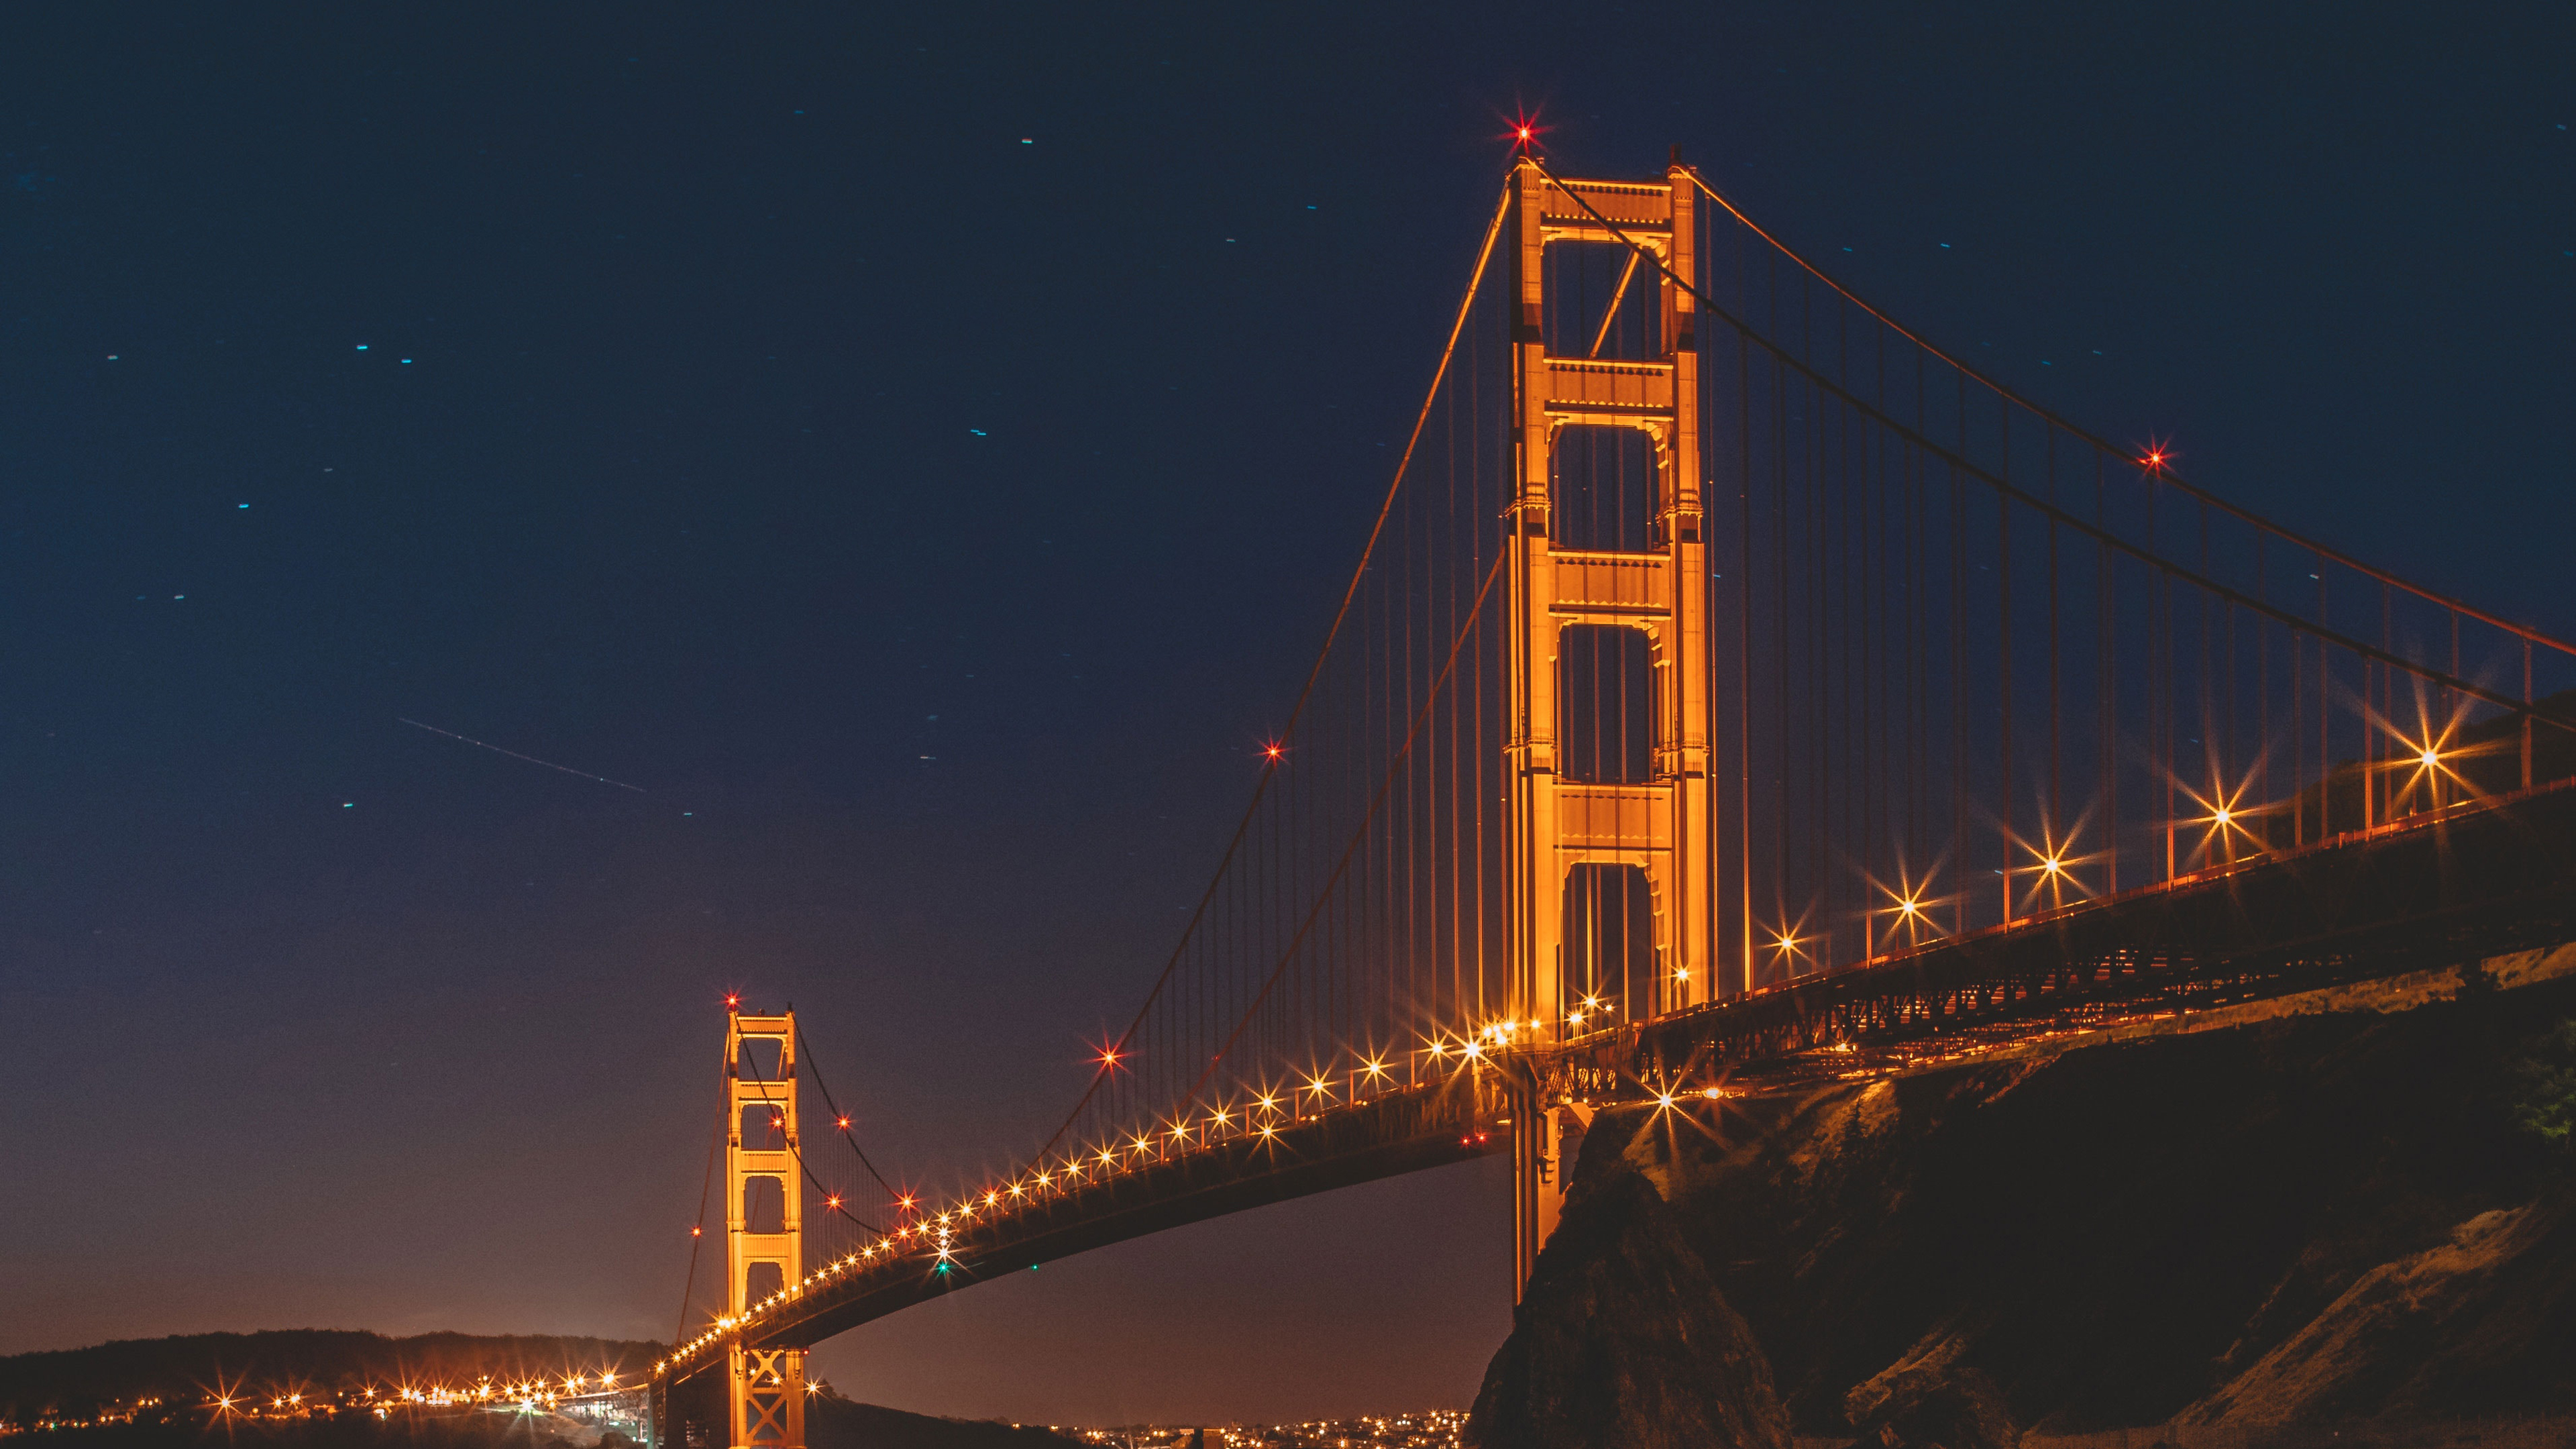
column 514, row 754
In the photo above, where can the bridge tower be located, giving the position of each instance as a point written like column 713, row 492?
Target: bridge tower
column 1659, row 826
column 765, row 1387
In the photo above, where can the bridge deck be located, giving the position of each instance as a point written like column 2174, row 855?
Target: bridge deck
column 2443, row 888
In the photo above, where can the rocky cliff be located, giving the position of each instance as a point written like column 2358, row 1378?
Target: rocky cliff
column 2325, row 1210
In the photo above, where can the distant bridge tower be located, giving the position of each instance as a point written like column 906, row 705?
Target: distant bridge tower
column 1659, row 826
column 765, row 1388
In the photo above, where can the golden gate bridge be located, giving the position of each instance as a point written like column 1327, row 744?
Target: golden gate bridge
column 1733, row 691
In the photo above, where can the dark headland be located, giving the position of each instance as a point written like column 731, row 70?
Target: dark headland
column 156, row 1394
column 2341, row 1214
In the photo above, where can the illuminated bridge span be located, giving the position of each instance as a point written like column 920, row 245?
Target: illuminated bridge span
column 1733, row 690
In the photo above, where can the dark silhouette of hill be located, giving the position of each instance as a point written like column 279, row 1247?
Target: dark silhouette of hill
column 833, row 1422
column 186, row 1368
column 333, row 1367
column 2318, row 1213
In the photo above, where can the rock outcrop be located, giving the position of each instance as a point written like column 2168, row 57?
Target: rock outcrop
column 1623, row 1341
column 1928, row 1400
column 2429, row 1333
column 2318, row 1217
column 1963, row 1410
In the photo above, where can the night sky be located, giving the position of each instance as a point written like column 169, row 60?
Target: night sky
column 914, row 451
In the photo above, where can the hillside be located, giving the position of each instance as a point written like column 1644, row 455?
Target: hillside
column 2310, row 1217
column 172, row 1378
column 185, row 1369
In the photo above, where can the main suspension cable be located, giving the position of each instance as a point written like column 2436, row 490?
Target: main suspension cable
column 1367, row 820
column 698, row 1234
column 2003, row 488
column 831, row 1199
column 805, row 1054
column 2165, row 474
column 1271, row 762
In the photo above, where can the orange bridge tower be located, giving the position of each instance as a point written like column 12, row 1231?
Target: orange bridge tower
column 1655, row 823
column 764, row 1225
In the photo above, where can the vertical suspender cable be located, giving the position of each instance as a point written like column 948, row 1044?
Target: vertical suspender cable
column 2003, row 662
column 2107, row 686
column 698, row 1237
